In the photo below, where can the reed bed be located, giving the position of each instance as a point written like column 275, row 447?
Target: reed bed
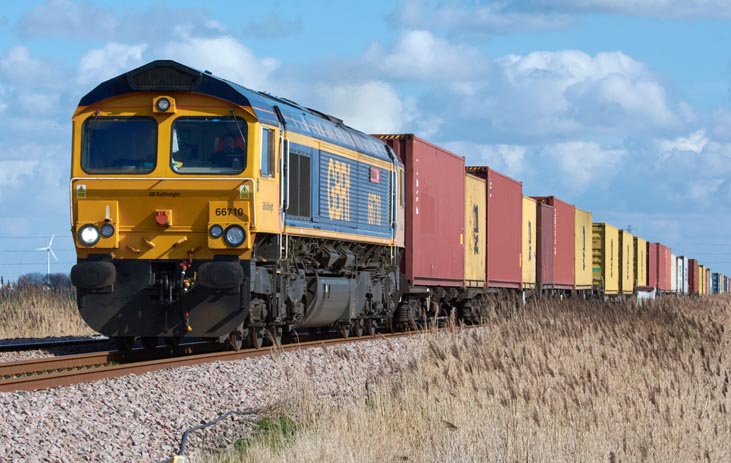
column 553, row 381
column 32, row 312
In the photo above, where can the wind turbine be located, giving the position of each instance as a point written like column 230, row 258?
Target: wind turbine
column 49, row 253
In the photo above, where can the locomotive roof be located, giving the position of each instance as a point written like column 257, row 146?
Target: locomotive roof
column 169, row 76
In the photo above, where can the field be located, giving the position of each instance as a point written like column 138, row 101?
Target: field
column 556, row 381
column 31, row 312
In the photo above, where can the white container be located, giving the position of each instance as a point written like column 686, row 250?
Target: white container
column 673, row 273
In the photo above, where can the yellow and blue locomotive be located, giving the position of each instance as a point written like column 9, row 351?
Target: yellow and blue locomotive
column 204, row 209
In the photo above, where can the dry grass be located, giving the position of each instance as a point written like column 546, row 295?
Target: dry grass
column 30, row 312
column 559, row 381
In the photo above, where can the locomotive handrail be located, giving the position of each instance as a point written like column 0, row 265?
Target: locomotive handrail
column 252, row 205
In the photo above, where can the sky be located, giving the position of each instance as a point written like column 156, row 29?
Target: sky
column 620, row 107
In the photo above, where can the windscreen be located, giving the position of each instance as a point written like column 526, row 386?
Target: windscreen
column 208, row 145
column 119, row 145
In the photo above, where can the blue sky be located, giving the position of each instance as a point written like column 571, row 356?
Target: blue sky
column 620, row 107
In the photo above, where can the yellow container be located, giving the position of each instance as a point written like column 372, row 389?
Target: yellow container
column 475, row 244
column 626, row 262
column 640, row 259
column 701, row 279
column 605, row 258
column 528, row 253
column 583, row 251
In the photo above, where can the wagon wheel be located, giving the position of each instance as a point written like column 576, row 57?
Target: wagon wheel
column 357, row 328
column 344, row 330
column 256, row 337
column 370, row 327
column 235, row 340
column 149, row 342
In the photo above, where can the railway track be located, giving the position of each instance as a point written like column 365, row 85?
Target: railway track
column 46, row 373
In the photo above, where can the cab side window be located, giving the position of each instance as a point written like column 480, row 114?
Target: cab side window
column 267, row 152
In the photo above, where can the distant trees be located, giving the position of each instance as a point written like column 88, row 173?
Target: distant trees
column 53, row 281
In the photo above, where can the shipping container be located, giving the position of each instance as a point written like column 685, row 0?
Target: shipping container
column 530, row 243
column 663, row 268
column 546, row 248
column 683, row 267
column 626, row 263
column 582, row 250
column 701, row 280
column 651, row 265
column 708, row 281
column 693, row 277
column 714, row 283
column 640, row 257
column 605, row 260
column 673, row 273
column 564, row 218
column 435, row 192
column 475, row 243
column 504, row 228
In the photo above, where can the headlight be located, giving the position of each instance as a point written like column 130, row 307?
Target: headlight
column 216, row 231
column 234, row 236
column 89, row 235
column 107, row 230
column 163, row 104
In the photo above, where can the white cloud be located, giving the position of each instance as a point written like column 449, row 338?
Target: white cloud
column 585, row 164
column 371, row 107
column 225, row 57
column 109, row 61
column 18, row 68
column 510, row 16
column 66, row 18
column 695, row 142
column 12, row 172
column 508, row 159
column 460, row 17
column 419, row 55
column 551, row 95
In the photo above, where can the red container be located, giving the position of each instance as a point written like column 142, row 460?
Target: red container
column 504, row 228
column 564, row 244
column 652, row 265
column 663, row 267
column 693, row 277
column 435, row 192
column 544, row 253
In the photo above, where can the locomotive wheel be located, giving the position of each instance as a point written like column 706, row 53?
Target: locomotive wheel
column 124, row 343
column 358, row 328
column 256, row 337
column 149, row 342
column 344, row 330
column 370, row 327
column 235, row 340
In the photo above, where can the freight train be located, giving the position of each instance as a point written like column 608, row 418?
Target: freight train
column 204, row 209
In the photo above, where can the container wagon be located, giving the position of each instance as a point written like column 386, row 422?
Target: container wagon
column 693, row 277
column 640, row 257
column 605, row 259
column 663, row 268
column 626, row 263
column 530, row 244
column 583, row 250
column 504, row 228
column 563, row 245
column 652, row 261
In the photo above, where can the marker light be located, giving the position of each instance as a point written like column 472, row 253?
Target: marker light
column 107, row 230
column 89, row 235
column 216, row 231
column 234, row 236
column 163, row 104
